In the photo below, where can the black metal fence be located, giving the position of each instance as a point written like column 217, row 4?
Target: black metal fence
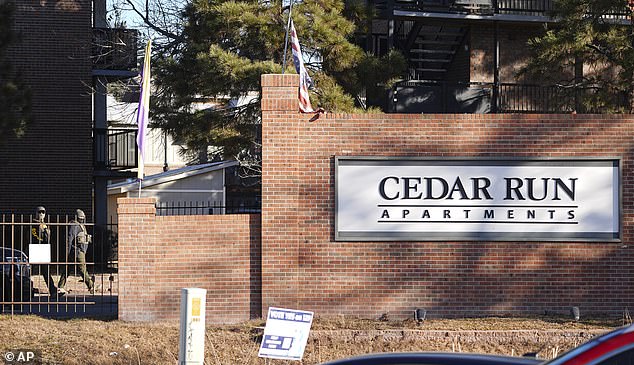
column 30, row 283
column 207, row 208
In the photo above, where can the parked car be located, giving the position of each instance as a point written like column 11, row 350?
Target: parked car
column 435, row 358
column 17, row 271
column 613, row 348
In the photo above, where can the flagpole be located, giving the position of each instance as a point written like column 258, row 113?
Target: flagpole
column 288, row 26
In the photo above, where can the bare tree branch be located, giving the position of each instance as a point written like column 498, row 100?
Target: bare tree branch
column 149, row 23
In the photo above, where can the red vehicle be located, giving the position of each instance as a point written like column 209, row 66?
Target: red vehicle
column 613, row 348
column 434, row 358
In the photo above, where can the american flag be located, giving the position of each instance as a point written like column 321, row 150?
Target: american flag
column 304, row 80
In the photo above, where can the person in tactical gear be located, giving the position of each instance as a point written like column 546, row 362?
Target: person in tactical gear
column 76, row 248
column 41, row 234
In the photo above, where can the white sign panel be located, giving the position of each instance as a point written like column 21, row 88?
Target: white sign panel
column 39, row 253
column 380, row 199
column 285, row 334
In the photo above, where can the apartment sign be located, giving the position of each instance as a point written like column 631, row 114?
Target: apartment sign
column 415, row 199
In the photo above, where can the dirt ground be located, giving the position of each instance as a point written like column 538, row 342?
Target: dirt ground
column 82, row 341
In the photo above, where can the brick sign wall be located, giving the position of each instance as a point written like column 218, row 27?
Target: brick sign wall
column 300, row 264
column 304, row 267
column 160, row 255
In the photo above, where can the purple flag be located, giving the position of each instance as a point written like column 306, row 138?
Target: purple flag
column 144, row 108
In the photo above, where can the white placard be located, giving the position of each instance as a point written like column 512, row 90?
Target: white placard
column 477, row 199
column 39, row 253
column 285, row 334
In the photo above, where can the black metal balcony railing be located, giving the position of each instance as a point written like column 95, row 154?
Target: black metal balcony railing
column 114, row 49
column 444, row 97
column 115, row 148
column 485, row 7
column 523, row 7
column 516, row 98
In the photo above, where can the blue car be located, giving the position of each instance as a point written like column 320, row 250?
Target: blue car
column 16, row 274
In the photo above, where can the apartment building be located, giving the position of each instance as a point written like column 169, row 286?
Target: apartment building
column 464, row 56
column 66, row 53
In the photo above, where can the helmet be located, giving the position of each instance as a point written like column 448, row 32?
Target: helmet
column 80, row 214
column 40, row 210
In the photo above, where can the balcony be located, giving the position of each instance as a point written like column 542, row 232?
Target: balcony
column 442, row 97
column 482, row 7
column 502, row 9
column 115, row 149
column 114, row 52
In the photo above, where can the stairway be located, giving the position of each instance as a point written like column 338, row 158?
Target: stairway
column 430, row 48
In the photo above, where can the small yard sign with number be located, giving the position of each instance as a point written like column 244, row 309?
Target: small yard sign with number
column 286, row 334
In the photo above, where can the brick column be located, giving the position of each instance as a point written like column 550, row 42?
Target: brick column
column 280, row 92
column 136, row 220
column 280, row 190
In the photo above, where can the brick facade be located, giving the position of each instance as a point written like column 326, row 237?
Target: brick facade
column 303, row 267
column 298, row 264
column 159, row 255
column 514, row 52
column 52, row 164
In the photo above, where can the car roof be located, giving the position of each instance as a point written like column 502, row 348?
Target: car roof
column 6, row 251
column 434, row 358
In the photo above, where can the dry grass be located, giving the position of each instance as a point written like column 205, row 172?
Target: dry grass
column 81, row 341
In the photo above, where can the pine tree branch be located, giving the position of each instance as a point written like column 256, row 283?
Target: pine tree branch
column 606, row 53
